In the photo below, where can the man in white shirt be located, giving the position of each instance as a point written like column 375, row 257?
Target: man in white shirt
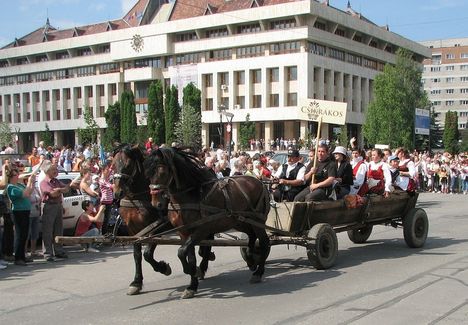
column 291, row 178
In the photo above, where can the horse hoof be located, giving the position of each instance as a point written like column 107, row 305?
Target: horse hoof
column 168, row 270
column 255, row 279
column 200, row 274
column 212, row 256
column 252, row 267
column 133, row 290
column 188, row 293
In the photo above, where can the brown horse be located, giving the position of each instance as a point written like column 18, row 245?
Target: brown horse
column 207, row 205
column 136, row 210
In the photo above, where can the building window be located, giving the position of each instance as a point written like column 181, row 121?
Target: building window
column 250, row 51
column 62, row 55
column 436, row 91
column 436, row 103
column 320, row 25
column 464, row 55
column 240, row 101
column 250, row 28
column 449, row 91
column 78, row 92
column 449, row 102
column 186, row 37
column 464, row 67
column 286, row 47
column 208, row 79
column 223, row 78
column 336, row 54
column 90, row 91
column 84, row 52
column 62, row 74
column 464, row 91
column 67, row 94
column 463, row 102
column 273, row 74
column 317, row 49
column 225, row 54
column 274, row 100
column 436, row 59
column 240, row 77
column 463, row 79
column 109, row 68
column 256, row 101
column 219, row 32
column 449, row 68
column 291, row 99
column 435, row 69
column 113, row 89
column 256, row 76
column 450, row 56
column 208, row 104
column 291, row 73
column 188, row 58
column 283, row 24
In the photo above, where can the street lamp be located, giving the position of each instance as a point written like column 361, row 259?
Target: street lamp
column 17, row 131
column 221, row 109
column 229, row 117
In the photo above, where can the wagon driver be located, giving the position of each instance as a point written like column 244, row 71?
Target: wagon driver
column 291, row 178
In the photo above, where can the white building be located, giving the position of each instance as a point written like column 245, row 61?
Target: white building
column 445, row 78
column 257, row 57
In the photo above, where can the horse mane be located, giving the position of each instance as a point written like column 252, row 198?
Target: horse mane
column 185, row 166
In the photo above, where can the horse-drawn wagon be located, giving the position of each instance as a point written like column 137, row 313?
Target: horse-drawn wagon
column 198, row 206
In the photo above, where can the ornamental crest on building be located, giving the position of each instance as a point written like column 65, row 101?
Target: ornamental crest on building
column 137, row 43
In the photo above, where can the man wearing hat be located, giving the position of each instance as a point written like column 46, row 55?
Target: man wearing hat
column 325, row 174
column 292, row 177
column 394, row 161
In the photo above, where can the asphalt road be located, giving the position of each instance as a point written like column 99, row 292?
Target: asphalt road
column 380, row 282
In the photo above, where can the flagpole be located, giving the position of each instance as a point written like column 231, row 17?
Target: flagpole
column 316, row 146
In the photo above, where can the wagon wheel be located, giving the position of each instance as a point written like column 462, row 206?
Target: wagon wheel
column 256, row 252
column 322, row 253
column 361, row 235
column 415, row 228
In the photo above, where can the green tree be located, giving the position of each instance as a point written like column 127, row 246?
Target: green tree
column 90, row 132
column 343, row 136
column 451, row 134
column 6, row 135
column 47, row 136
column 128, row 128
column 192, row 96
column 172, row 113
column 397, row 93
column 155, row 121
column 246, row 132
column 112, row 134
column 188, row 128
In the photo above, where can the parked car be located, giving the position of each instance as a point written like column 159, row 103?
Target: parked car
column 282, row 157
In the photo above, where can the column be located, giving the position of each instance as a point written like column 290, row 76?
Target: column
column 235, row 134
column 248, row 89
column 339, row 86
column 283, row 89
column 204, row 135
column 268, row 133
column 53, row 106
column 364, row 94
column 304, row 130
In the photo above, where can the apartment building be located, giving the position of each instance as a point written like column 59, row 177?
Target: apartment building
column 445, row 78
column 256, row 57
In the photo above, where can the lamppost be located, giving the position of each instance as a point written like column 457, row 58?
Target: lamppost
column 17, row 131
column 229, row 117
column 221, row 109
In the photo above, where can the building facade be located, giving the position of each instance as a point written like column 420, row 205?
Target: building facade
column 256, row 57
column 445, row 78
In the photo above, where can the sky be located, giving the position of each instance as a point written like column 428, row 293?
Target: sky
column 418, row 20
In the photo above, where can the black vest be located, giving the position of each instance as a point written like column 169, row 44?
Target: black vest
column 294, row 190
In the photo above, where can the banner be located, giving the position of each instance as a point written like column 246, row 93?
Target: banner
column 422, row 121
column 330, row 112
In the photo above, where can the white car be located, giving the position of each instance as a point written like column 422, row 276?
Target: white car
column 71, row 204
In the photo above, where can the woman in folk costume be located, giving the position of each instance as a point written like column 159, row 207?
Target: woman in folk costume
column 379, row 179
column 359, row 166
column 407, row 170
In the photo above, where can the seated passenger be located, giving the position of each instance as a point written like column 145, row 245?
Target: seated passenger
column 407, row 171
column 291, row 178
column 359, row 166
column 379, row 178
column 394, row 161
column 344, row 172
column 325, row 174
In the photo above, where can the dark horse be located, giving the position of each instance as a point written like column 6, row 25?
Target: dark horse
column 131, row 186
column 207, row 205
column 138, row 213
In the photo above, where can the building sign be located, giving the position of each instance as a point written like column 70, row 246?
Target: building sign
column 422, row 121
column 330, row 112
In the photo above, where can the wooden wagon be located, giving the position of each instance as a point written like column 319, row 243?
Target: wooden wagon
column 314, row 225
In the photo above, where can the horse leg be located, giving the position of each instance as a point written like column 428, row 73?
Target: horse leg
column 137, row 284
column 264, row 248
column 250, row 250
column 161, row 267
column 207, row 255
column 188, row 259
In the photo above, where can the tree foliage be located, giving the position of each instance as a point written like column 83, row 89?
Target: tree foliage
column 188, row 128
column 90, row 132
column 192, row 96
column 128, row 130
column 397, row 93
column 451, row 134
column 343, row 136
column 156, row 119
column 6, row 135
column 47, row 136
column 172, row 113
column 246, row 132
column 112, row 134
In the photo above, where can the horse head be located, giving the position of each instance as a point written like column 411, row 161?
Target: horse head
column 129, row 178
